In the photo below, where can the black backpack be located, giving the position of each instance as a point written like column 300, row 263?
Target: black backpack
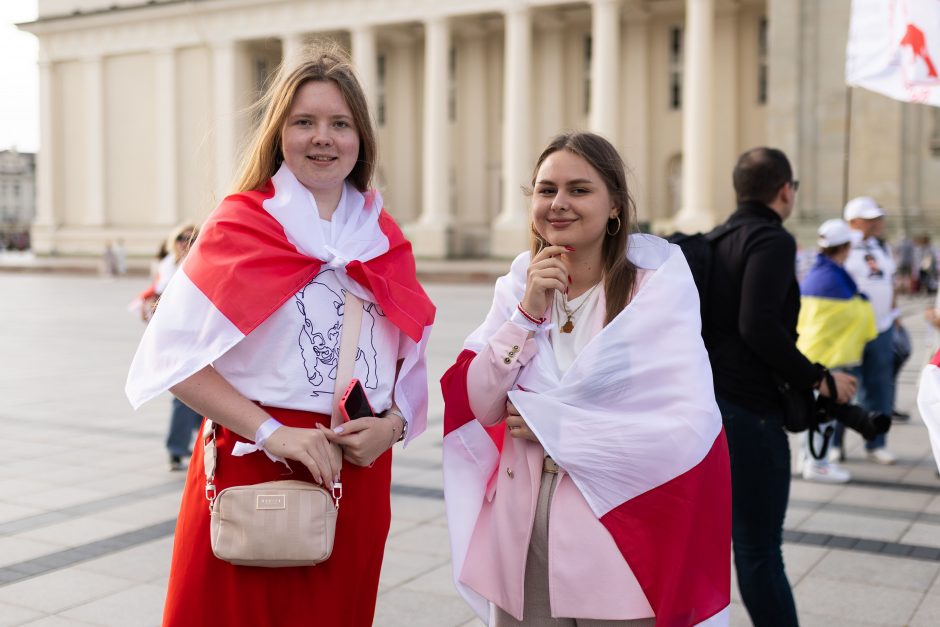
column 699, row 248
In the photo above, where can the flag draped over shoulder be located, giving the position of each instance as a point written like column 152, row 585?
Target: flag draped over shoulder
column 928, row 403
column 835, row 322
column 894, row 49
column 258, row 249
column 635, row 424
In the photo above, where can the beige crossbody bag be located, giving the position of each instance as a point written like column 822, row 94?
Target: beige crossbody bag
column 281, row 523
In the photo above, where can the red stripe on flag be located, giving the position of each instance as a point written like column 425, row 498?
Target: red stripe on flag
column 457, row 410
column 391, row 278
column 677, row 540
column 936, row 359
column 244, row 263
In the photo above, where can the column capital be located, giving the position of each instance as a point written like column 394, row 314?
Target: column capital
column 517, row 9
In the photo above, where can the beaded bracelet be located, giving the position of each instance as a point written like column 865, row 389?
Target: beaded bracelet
column 529, row 316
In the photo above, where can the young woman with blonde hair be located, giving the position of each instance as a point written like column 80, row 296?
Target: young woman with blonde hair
column 248, row 332
column 585, row 468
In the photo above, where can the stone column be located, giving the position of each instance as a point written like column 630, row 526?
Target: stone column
column 291, row 45
column 165, row 136
column 697, row 212
column 45, row 168
column 365, row 58
column 550, row 61
column 605, row 68
column 635, row 112
column 510, row 232
column 224, row 105
column 474, row 213
column 94, row 153
column 431, row 232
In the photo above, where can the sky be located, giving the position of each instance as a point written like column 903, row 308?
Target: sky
column 19, row 78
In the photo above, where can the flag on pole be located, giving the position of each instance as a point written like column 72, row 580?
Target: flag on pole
column 894, row 49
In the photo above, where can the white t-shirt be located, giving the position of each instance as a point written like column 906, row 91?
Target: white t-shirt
column 290, row 360
column 873, row 271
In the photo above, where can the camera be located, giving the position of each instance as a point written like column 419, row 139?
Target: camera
column 867, row 423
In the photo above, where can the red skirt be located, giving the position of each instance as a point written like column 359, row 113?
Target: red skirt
column 204, row 590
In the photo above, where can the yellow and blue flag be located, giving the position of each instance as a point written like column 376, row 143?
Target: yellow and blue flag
column 835, row 321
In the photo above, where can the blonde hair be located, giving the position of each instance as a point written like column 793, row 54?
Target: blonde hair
column 320, row 61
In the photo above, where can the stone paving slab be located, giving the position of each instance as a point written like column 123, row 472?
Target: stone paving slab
column 86, row 502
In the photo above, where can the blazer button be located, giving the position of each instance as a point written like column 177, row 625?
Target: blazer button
column 508, row 360
column 510, row 472
column 515, row 348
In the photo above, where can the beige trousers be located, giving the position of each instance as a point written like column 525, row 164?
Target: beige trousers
column 536, row 611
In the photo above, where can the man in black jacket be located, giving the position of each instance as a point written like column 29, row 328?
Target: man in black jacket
column 750, row 332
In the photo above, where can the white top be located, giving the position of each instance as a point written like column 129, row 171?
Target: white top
column 290, row 360
column 873, row 271
column 567, row 346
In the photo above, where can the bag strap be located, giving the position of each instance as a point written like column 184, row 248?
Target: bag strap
column 348, row 348
column 346, row 361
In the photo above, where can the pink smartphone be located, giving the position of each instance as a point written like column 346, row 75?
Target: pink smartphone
column 354, row 403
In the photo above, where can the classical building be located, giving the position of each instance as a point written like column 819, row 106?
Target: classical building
column 17, row 196
column 144, row 106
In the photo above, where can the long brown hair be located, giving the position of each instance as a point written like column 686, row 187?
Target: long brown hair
column 619, row 272
column 320, row 61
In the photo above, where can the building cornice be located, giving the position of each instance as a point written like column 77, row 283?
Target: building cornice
column 185, row 23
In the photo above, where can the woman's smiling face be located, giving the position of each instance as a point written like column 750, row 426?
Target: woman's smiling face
column 319, row 139
column 571, row 204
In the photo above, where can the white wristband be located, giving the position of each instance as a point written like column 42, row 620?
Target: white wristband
column 266, row 430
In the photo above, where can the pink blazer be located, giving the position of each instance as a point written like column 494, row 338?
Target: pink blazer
column 588, row 576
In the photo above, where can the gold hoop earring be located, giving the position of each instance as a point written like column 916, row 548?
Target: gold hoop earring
column 617, row 218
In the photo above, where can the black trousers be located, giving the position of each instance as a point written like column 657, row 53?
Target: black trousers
column 760, row 489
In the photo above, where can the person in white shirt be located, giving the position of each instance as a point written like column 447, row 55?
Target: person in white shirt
column 873, row 270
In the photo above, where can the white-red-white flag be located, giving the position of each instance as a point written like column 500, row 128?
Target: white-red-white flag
column 256, row 251
column 894, row 49
column 635, row 424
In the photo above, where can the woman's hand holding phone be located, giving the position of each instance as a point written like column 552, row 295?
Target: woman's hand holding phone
column 547, row 273
column 362, row 440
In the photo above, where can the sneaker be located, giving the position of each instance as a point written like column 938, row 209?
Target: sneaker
column 836, row 454
column 882, row 456
column 900, row 416
column 825, row 472
column 176, row 463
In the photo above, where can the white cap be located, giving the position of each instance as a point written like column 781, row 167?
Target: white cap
column 863, row 207
column 834, row 233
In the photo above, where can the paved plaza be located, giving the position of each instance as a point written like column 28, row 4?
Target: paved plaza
column 87, row 505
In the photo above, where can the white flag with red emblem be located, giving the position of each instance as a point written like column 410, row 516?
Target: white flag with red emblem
column 894, row 49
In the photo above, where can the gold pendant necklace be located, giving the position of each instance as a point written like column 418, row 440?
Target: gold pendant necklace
column 568, row 326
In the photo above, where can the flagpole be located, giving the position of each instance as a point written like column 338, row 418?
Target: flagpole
column 847, row 146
